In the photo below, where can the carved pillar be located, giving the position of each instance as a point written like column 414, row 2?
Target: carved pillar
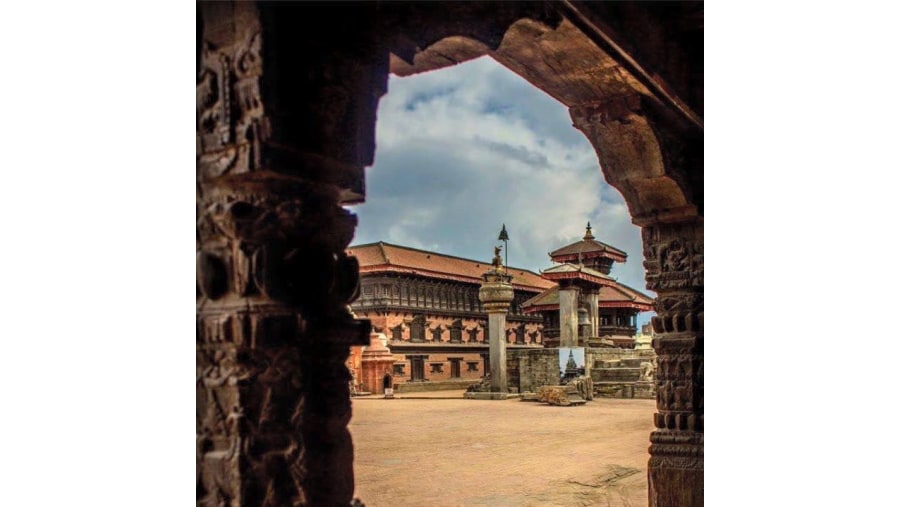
column 654, row 157
column 673, row 256
column 284, row 129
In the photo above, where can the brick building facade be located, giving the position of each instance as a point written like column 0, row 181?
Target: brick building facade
column 427, row 306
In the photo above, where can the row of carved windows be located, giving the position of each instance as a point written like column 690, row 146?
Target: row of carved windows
column 417, row 367
column 419, row 330
column 427, row 294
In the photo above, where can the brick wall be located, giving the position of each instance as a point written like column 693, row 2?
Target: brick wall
column 528, row 370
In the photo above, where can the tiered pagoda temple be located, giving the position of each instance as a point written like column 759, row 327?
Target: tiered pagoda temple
column 426, row 304
column 584, row 283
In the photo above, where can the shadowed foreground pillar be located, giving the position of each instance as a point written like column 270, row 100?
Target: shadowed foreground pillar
column 655, row 159
column 674, row 260
column 285, row 125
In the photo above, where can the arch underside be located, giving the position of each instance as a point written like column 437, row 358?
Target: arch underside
column 638, row 133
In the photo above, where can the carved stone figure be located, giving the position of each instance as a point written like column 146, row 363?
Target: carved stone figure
column 497, row 262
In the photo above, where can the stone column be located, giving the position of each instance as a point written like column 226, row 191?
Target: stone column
column 568, row 315
column 495, row 294
column 592, row 296
column 281, row 147
column 673, row 256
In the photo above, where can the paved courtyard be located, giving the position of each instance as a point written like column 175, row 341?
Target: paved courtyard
column 456, row 452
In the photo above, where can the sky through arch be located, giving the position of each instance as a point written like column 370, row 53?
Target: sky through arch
column 462, row 150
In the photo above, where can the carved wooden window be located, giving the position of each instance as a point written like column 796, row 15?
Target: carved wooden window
column 417, row 328
column 456, row 331
column 471, row 366
column 437, row 367
column 520, row 334
column 399, row 370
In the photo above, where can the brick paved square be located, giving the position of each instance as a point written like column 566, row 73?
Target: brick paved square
column 455, row 452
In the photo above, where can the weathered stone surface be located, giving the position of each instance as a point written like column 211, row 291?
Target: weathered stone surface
column 584, row 386
column 561, row 396
column 529, row 396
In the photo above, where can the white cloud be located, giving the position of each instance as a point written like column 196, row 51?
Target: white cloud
column 462, row 150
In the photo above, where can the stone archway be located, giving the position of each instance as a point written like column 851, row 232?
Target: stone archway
column 286, row 100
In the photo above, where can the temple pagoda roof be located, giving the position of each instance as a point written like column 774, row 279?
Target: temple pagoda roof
column 611, row 296
column 587, row 248
column 384, row 257
column 577, row 272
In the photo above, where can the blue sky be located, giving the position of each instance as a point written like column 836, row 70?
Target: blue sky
column 462, row 150
column 577, row 355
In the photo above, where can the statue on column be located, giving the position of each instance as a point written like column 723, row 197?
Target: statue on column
column 498, row 261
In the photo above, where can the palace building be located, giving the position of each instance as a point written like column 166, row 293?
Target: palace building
column 425, row 304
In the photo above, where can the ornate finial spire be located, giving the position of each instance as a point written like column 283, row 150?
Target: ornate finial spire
column 504, row 236
column 587, row 232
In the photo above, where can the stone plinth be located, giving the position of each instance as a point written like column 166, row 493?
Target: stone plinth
column 376, row 359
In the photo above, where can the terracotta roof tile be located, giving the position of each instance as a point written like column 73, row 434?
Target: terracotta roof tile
column 619, row 293
column 572, row 268
column 382, row 256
